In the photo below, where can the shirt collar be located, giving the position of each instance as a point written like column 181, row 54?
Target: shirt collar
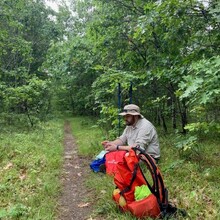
column 137, row 124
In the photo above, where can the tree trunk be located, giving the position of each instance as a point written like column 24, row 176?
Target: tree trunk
column 173, row 111
column 162, row 117
column 183, row 114
column 28, row 115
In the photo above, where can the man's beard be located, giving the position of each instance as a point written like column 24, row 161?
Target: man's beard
column 130, row 123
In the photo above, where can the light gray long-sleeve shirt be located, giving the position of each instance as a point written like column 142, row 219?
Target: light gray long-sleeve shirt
column 143, row 134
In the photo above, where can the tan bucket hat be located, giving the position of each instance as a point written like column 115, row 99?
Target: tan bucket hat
column 131, row 109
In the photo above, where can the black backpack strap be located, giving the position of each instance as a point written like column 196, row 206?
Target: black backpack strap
column 158, row 187
column 152, row 188
column 134, row 174
column 153, row 170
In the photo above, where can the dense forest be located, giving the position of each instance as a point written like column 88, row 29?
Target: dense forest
column 92, row 57
column 80, row 63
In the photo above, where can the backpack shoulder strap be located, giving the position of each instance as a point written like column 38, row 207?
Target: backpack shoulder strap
column 134, row 174
column 158, row 187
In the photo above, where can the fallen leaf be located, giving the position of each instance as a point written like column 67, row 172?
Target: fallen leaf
column 23, row 174
column 22, row 177
column 82, row 205
column 8, row 166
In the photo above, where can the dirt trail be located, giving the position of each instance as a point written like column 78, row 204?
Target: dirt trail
column 73, row 204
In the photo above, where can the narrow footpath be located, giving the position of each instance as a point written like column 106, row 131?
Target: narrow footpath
column 74, row 203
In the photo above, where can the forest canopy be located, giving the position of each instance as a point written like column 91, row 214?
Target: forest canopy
column 91, row 57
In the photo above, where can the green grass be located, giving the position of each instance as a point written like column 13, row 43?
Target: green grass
column 88, row 135
column 29, row 176
column 192, row 178
column 31, row 161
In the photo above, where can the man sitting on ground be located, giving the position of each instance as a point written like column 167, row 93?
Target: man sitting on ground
column 138, row 132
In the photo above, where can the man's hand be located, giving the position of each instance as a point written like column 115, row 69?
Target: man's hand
column 104, row 143
column 110, row 147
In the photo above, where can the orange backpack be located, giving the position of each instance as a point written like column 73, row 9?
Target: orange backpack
column 112, row 159
column 129, row 177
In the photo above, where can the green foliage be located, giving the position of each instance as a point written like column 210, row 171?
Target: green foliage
column 16, row 211
column 28, row 99
column 26, row 33
column 156, row 42
column 76, row 57
column 201, row 85
column 69, row 65
column 188, row 147
column 201, row 89
column 203, row 128
column 105, row 90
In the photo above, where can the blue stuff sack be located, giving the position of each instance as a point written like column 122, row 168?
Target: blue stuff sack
column 95, row 164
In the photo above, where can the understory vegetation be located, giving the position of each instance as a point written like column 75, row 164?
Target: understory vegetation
column 30, row 164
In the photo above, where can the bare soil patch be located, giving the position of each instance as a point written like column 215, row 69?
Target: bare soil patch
column 74, row 203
